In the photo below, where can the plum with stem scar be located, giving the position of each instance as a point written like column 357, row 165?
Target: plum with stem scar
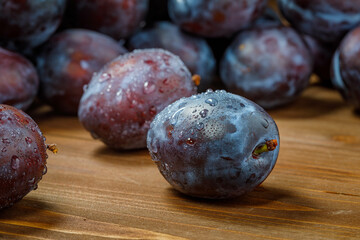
column 214, row 145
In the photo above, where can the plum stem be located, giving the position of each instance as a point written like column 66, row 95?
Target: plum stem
column 269, row 145
column 52, row 147
column 196, row 79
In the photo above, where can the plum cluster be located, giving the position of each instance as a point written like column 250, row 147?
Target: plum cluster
column 119, row 64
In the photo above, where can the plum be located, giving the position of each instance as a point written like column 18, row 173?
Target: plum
column 322, row 54
column 67, row 62
column 27, row 24
column 346, row 68
column 22, row 155
column 194, row 51
column 123, row 98
column 326, row 21
column 19, row 80
column 270, row 66
column 214, row 144
column 116, row 18
column 215, row 18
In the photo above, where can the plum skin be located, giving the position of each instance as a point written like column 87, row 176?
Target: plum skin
column 22, row 155
column 19, row 80
column 214, row 18
column 27, row 24
column 327, row 21
column 203, row 145
column 67, row 62
column 270, row 66
column 194, row 51
column 116, row 18
column 122, row 99
column 345, row 69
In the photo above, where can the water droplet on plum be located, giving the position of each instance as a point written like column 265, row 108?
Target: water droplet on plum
column 200, row 126
column 204, row 113
column 211, row 101
column 45, row 170
column 15, row 162
column 149, row 87
column 190, row 142
column 104, row 77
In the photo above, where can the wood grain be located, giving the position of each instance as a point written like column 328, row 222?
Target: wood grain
column 93, row 192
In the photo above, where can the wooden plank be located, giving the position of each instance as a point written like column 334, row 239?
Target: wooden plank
column 93, row 192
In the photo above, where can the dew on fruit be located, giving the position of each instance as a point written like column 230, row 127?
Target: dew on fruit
column 211, row 101
column 203, row 113
column 15, row 162
column 104, row 77
column 200, row 126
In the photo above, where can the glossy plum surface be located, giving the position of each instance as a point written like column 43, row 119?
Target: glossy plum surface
column 215, row 18
column 205, row 145
column 194, row 51
column 346, row 67
column 19, row 81
column 123, row 98
column 327, row 21
column 116, row 18
column 67, row 62
column 270, row 66
column 22, row 155
column 28, row 23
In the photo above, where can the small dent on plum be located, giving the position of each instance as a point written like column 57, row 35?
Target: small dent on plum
column 265, row 123
column 227, row 158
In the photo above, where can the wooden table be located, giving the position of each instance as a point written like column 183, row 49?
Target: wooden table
column 93, row 192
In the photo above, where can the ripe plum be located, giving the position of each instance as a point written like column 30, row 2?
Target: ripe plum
column 27, row 24
column 215, row 18
column 194, row 51
column 346, row 68
column 327, row 21
column 214, row 144
column 67, row 62
column 22, row 155
column 270, row 66
column 116, row 18
column 123, row 98
column 19, row 81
